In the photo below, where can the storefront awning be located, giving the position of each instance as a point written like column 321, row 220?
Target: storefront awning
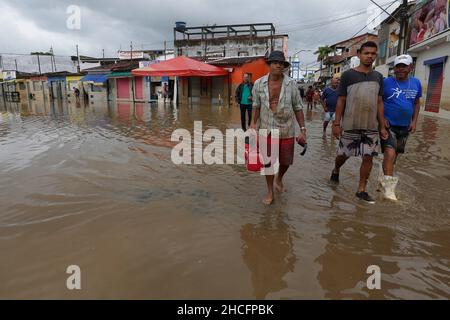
column 95, row 78
column 73, row 78
column 55, row 79
column 435, row 61
column 180, row 67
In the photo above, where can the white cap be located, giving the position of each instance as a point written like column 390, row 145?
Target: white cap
column 403, row 59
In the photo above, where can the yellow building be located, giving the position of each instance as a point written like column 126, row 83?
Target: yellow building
column 73, row 82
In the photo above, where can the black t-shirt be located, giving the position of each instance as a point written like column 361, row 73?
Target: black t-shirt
column 362, row 91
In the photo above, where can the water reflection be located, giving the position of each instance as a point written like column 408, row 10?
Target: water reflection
column 351, row 248
column 268, row 252
column 77, row 167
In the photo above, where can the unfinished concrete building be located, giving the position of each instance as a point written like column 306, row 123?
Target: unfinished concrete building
column 223, row 41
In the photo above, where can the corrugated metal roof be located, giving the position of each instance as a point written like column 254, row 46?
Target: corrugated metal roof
column 115, row 67
column 236, row 60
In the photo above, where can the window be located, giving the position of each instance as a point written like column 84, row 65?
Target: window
column 37, row 86
column 95, row 88
column 21, row 86
column 393, row 44
column 383, row 49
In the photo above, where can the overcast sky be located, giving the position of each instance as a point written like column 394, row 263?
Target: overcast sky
column 35, row 25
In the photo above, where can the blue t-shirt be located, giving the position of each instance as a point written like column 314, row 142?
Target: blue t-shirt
column 399, row 100
column 246, row 93
column 331, row 97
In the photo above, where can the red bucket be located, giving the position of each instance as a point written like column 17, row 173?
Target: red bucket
column 252, row 154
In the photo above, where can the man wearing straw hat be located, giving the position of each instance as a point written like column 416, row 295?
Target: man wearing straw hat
column 276, row 106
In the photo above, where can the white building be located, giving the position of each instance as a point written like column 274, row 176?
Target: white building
column 39, row 64
column 430, row 50
column 215, row 42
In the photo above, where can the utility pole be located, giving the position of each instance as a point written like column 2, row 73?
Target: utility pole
column 131, row 47
column 78, row 61
column 165, row 50
column 403, row 26
column 39, row 64
column 52, row 59
column 103, row 53
column 291, row 70
column 15, row 60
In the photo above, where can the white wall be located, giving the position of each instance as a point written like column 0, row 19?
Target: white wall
column 423, row 72
column 383, row 69
column 233, row 47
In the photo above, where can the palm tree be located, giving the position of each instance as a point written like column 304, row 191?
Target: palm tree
column 322, row 53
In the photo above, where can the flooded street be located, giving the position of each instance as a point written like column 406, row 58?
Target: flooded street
column 94, row 186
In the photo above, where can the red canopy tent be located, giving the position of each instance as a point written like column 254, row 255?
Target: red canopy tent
column 180, row 67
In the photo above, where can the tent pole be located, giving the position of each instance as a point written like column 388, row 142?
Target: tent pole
column 175, row 93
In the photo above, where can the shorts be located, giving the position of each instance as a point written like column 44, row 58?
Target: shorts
column 330, row 116
column 285, row 147
column 398, row 136
column 359, row 143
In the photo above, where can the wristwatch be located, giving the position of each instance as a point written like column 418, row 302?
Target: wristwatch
column 303, row 128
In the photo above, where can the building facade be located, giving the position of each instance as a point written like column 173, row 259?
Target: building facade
column 255, row 67
column 390, row 41
column 215, row 42
column 343, row 55
column 427, row 40
column 429, row 45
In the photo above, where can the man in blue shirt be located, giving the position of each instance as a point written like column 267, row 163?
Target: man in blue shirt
column 329, row 102
column 244, row 99
column 402, row 95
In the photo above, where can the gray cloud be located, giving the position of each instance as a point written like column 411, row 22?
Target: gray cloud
column 35, row 25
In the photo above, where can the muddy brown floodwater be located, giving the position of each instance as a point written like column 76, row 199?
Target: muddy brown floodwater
column 94, row 186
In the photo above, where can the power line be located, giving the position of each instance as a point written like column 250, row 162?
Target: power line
column 360, row 11
column 351, row 44
column 336, row 31
column 323, row 23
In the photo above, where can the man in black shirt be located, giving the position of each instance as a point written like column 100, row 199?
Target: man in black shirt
column 360, row 117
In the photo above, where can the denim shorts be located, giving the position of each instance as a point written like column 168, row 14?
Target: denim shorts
column 398, row 136
column 329, row 116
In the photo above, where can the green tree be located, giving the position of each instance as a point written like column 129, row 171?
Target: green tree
column 322, row 54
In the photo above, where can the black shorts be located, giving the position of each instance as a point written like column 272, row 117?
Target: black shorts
column 398, row 136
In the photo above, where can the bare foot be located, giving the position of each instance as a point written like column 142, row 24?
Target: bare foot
column 268, row 200
column 279, row 186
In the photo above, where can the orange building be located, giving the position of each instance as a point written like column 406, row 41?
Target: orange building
column 255, row 66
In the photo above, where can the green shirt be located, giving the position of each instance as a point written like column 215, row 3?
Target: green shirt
column 246, row 93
